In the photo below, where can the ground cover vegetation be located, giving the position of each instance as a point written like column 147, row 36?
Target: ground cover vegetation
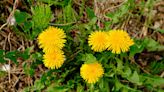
column 81, row 46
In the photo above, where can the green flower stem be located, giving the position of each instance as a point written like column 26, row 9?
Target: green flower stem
column 91, row 87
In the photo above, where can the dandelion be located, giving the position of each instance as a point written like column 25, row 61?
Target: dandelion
column 91, row 72
column 51, row 39
column 97, row 40
column 54, row 60
column 119, row 41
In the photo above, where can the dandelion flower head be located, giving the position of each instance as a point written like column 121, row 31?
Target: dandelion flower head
column 119, row 41
column 91, row 72
column 97, row 40
column 51, row 39
column 54, row 60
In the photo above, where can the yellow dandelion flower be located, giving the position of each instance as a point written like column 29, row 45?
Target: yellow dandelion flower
column 119, row 41
column 97, row 40
column 91, row 72
column 51, row 39
column 54, row 60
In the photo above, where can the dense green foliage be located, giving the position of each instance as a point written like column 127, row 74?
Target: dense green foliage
column 122, row 72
